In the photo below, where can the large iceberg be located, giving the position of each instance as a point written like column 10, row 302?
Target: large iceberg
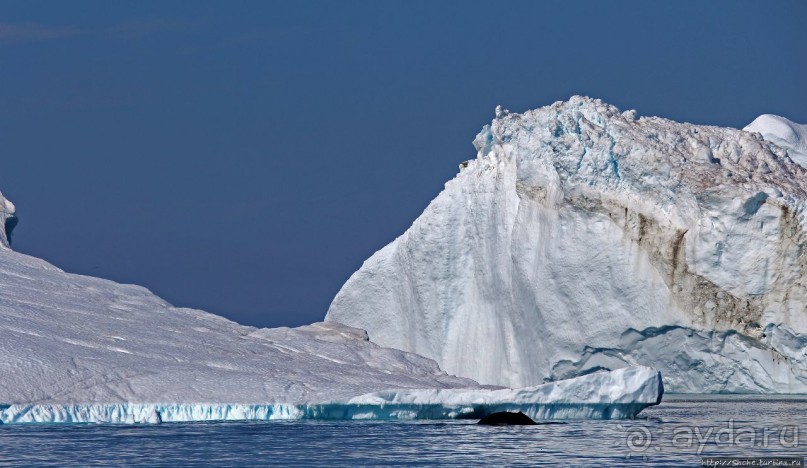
column 584, row 238
column 80, row 349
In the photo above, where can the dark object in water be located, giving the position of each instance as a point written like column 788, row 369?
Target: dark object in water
column 506, row 418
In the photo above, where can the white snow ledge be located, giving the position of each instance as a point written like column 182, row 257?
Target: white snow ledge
column 619, row 394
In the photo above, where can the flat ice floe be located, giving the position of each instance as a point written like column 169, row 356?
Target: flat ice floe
column 604, row 395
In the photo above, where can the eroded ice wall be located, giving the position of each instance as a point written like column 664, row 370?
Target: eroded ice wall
column 581, row 236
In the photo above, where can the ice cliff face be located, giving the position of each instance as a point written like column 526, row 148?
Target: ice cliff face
column 583, row 238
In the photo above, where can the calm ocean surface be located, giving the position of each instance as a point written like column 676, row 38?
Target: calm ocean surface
column 671, row 434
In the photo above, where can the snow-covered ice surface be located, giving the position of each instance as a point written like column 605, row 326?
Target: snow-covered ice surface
column 80, row 349
column 76, row 339
column 783, row 132
column 584, row 238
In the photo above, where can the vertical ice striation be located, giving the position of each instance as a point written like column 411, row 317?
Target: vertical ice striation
column 583, row 238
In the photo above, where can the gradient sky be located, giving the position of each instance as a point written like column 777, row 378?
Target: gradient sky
column 246, row 157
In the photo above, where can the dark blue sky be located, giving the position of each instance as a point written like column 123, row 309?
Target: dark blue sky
column 246, row 157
